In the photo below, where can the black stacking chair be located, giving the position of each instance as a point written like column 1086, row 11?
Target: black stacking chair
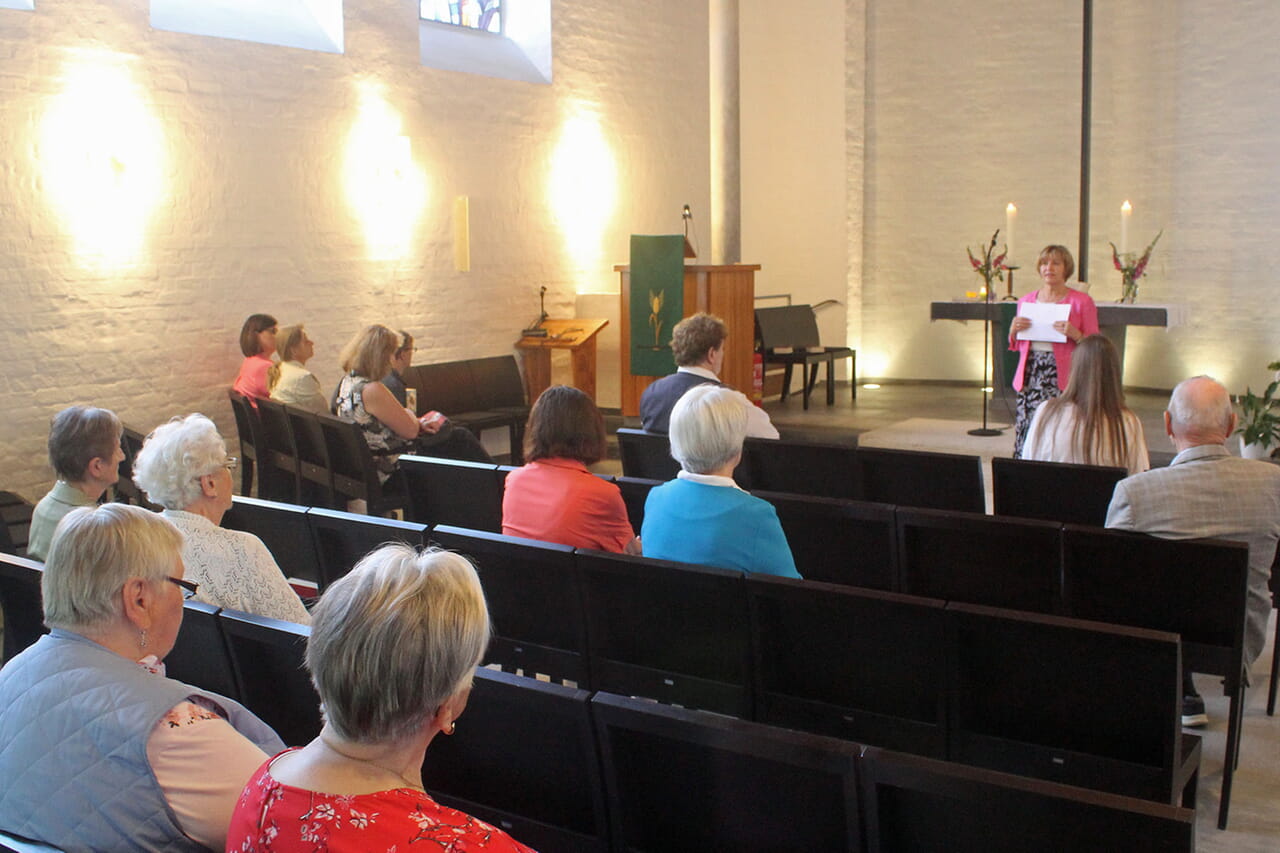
column 315, row 473
column 668, row 631
column 200, row 656
column 853, row 543
column 795, row 328
column 680, row 780
column 1081, row 703
column 453, row 492
column 268, row 659
column 279, row 453
column 1053, row 491
column 355, row 475
column 635, row 491
column 534, row 601
column 915, row 803
column 646, row 455
column 918, row 478
column 249, row 429
column 856, row 664
column 15, row 523
column 125, row 490
column 1195, row 588
column 525, row 759
column 20, row 602
column 501, row 388
column 283, row 528
column 981, row 559
column 802, row 468
column 343, row 538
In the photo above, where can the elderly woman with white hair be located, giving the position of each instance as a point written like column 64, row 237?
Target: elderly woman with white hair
column 184, row 467
column 702, row 516
column 392, row 651
column 98, row 749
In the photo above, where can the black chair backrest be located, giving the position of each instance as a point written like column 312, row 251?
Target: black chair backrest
column 283, row 528
column 1081, row 703
column 802, row 468
column 125, row 490
column 268, row 656
column 249, row 429
column 453, row 492
column 534, row 602
column 787, row 326
column 281, row 454
column 15, row 523
column 681, row 780
column 20, row 602
column 343, row 538
column 497, row 378
column 914, row 803
column 524, row 759
column 200, row 656
column 354, row 472
column 314, row 468
column 855, row 664
column 921, row 479
column 980, row 559
column 635, row 491
column 445, row 387
column 1195, row 588
column 646, row 455
column 1053, row 491
column 668, row 631
column 838, row 541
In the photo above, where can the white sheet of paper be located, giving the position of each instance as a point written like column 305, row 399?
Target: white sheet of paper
column 1042, row 316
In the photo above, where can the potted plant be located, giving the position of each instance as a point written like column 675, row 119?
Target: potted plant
column 1259, row 427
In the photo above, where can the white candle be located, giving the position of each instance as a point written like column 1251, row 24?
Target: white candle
column 1126, row 211
column 1010, row 219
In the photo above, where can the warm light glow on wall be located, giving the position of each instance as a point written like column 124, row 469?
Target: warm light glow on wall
column 101, row 158
column 873, row 364
column 583, row 191
column 385, row 188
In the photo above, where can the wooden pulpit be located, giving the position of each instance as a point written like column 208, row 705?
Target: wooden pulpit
column 726, row 290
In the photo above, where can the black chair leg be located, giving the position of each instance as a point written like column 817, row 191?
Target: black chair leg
column 1231, row 757
column 831, row 381
column 811, row 379
column 853, row 374
column 1275, row 671
column 786, row 381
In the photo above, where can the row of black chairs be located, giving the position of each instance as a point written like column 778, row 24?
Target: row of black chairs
column 1089, row 705
column 477, row 394
column 916, row 478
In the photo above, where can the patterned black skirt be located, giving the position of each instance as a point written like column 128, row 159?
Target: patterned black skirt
column 1039, row 383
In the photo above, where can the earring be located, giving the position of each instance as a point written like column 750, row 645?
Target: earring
column 452, row 727
column 142, row 639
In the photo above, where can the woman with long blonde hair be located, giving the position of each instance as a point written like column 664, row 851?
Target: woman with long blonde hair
column 1089, row 423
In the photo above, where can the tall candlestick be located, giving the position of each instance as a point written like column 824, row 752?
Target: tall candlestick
column 1010, row 219
column 1126, row 211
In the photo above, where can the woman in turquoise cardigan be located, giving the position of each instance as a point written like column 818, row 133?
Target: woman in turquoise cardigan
column 702, row 516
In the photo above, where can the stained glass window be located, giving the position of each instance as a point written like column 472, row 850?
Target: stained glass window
column 483, row 15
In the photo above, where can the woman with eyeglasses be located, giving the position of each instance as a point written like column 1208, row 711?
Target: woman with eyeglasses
column 184, row 467
column 98, row 749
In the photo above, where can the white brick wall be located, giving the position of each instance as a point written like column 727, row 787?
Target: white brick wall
column 255, row 217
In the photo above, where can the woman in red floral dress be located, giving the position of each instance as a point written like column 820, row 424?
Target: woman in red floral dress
column 392, row 650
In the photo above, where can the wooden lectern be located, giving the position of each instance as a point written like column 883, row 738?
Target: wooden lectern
column 728, row 291
column 578, row 337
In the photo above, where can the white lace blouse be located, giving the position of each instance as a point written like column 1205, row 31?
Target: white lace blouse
column 235, row 570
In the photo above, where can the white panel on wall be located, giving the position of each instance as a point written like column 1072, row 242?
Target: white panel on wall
column 309, row 24
column 17, row 4
column 523, row 52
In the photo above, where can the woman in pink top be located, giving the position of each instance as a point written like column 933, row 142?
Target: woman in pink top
column 1044, row 368
column 258, row 343
column 554, row 497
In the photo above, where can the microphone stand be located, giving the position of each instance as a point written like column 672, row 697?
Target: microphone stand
column 985, row 430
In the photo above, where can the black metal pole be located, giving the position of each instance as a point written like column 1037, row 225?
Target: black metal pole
column 1086, row 123
column 986, row 360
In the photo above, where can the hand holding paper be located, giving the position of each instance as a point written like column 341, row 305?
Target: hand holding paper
column 1042, row 316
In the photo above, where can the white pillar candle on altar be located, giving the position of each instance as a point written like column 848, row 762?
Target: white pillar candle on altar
column 1010, row 220
column 1126, row 211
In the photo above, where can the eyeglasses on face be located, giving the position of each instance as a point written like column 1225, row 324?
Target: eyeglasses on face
column 189, row 588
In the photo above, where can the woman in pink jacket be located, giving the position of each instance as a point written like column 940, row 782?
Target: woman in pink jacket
column 1043, row 367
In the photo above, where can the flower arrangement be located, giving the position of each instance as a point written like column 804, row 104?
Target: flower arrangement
column 1132, row 267
column 1259, row 423
column 990, row 268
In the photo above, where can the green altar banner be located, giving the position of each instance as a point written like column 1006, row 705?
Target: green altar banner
column 657, row 301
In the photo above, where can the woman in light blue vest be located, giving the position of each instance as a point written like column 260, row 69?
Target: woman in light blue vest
column 98, row 749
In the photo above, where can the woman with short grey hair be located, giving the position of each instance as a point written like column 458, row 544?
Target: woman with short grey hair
column 392, row 651
column 702, row 516
column 184, row 467
column 87, row 715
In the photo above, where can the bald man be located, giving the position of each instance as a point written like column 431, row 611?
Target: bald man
column 1207, row 492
